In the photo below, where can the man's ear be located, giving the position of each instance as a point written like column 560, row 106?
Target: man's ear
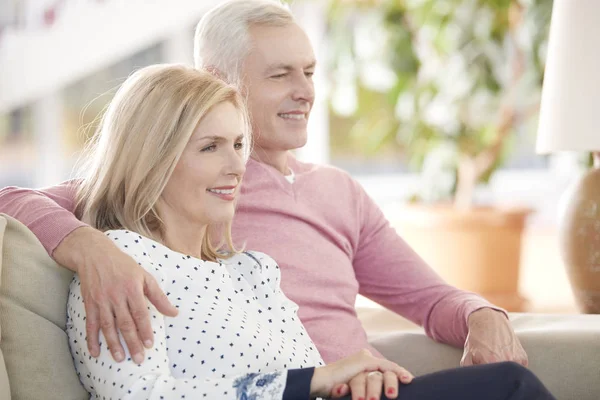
column 215, row 72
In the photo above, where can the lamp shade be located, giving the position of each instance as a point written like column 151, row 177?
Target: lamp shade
column 570, row 107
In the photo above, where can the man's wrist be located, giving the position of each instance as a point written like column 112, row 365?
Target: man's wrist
column 70, row 252
column 483, row 313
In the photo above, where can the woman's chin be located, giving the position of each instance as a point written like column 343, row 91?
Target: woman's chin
column 221, row 219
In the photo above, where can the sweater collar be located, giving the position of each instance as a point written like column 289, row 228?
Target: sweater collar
column 257, row 171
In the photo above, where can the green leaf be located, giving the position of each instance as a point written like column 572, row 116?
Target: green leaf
column 486, row 52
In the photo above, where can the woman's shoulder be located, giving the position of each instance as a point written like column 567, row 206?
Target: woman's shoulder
column 154, row 257
column 141, row 248
column 255, row 267
column 132, row 240
column 128, row 241
column 252, row 259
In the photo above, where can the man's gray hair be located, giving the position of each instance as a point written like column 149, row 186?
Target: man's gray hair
column 222, row 39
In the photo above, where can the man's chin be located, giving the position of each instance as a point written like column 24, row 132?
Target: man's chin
column 299, row 140
column 283, row 140
column 297, row 146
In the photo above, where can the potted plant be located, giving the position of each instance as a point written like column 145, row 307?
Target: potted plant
column 462, row 77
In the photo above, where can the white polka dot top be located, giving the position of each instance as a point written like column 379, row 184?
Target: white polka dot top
column 235, row 336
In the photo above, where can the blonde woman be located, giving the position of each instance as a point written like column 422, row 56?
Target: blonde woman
column 161, row 181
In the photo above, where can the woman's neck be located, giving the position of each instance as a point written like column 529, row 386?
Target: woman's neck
column 180, row 235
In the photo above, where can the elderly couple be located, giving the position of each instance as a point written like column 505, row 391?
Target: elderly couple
column 167, row 303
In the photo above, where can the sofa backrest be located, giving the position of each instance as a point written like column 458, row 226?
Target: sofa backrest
column 4, row 384
column 33, row 298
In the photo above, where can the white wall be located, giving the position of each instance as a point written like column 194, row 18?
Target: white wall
column 87, row 37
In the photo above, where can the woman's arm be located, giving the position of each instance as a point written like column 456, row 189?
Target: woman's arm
column 271, row 274
column 330, row 380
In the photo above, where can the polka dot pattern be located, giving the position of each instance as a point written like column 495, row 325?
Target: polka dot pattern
column 236, row 333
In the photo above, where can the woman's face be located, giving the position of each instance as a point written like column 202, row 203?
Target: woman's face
column 205, row 182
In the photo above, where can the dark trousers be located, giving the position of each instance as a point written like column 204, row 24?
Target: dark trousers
column 498, row 381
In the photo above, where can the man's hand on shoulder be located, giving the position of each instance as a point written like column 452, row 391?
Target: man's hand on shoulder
column 491, row 338
column 114, row 288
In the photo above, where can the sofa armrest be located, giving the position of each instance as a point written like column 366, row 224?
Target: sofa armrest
column 563, row 350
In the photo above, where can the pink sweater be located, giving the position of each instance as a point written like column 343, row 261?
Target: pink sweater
column 331, row 241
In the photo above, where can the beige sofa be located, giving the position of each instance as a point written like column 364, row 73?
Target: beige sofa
column 35, row 362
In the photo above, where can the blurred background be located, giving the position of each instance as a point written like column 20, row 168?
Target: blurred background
column 428, row 101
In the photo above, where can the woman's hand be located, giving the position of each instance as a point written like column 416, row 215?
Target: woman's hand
column 368, row 385
column 362, row 374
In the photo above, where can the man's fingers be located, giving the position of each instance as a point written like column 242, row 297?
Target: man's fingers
column 107, row 324
column 480, row 357
column 157, row 297
column 128, row 329
column 467, row 359
column 92, row 328
column 518, row 356
column 141, row 321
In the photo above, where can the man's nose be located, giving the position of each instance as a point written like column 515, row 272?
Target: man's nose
column 304, row 89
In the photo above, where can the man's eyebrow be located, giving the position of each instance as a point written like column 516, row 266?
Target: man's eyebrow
column 288, row 67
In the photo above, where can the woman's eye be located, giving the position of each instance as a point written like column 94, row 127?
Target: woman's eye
column 309, row 74
column 212, row 147
column 279, row 76
column 239, row 145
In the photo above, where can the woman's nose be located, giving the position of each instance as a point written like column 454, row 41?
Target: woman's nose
column 237, row 164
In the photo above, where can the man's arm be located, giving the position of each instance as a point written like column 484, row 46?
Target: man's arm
column 391, row 273
column 112, row 282
column 48, row 213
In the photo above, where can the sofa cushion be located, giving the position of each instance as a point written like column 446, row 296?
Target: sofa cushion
column 33, row 298
column 563, row 352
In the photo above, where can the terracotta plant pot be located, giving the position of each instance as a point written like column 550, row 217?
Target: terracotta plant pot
column 478, row 250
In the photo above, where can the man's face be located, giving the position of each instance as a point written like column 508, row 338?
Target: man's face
column 277, row 74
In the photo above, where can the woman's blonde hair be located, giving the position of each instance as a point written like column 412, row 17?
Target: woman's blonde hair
column 138, row 143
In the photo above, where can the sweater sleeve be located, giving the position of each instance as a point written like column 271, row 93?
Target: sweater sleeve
column 297, row 385
column 391, row 273
column 153, row 379
column 47, row 212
